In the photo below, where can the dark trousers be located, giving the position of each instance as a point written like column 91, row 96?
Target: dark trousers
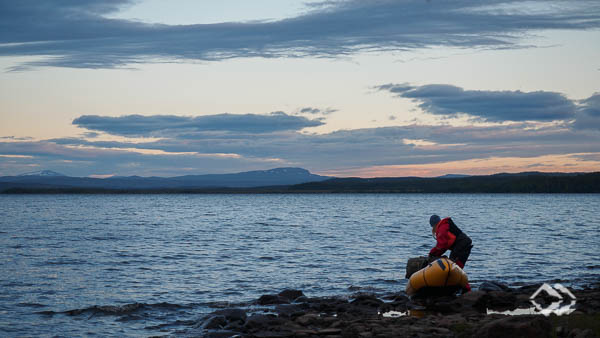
column 461, row 250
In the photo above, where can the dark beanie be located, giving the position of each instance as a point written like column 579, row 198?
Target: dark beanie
column 434, row 219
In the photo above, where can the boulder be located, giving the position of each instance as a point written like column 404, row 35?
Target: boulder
column 231, row 315
column 214, row 322
column 415, row 264
column 260, row 321
column 291, row 294
column 290, row 310
column 272, row 300
column 493, row 286
column 367, row 300
column 220, row 334
column 308, row 319
column 516, row 327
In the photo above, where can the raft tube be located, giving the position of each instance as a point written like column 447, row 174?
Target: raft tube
column 440, row 273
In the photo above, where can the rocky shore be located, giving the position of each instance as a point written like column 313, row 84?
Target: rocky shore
column 494, row 310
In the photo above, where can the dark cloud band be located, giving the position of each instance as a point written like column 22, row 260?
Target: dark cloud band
column 158, row 125
column 493, row 106
column 588, row 114
column 76, row 34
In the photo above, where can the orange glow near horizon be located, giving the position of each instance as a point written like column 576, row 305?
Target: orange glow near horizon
column 493, row 165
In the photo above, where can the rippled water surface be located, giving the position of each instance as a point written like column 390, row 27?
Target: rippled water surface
column 142, row 265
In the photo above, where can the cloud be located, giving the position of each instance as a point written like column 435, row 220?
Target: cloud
column 85, row 160
column 492, row 106
column 157, row 125
column 15, row 138
column 77, row 33
column 91, row 134
column 588, row 113
column 591, row 105
column 179, row 152
column 315, row 111
column 365, row 147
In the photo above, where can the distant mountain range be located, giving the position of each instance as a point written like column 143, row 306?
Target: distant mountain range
column 298, row 180
column 47, row 179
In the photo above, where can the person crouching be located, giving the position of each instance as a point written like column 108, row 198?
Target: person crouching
column 450, row 237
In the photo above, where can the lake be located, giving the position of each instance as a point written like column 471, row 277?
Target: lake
column 173, row 258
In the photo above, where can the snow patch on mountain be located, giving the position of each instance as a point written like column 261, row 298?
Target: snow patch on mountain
column 43, row 173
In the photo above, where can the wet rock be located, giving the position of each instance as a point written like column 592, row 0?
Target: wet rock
column 415, row 264
column 329, row 332
column 327, row 305
column 501, row 300
column 308, row 319
column 290, row 310
column 272, row 300
column 367, row 300
column 483, row 300
column 220, row 334
column 214, row 322
column 230, row 315
column 301, row 299
column 493, row 286
column 399, row 298
column 444, row 304
column 517, row 326
column 471, row 298
column 580, row 333
column 449, row 316
column 290, row 294
column 260, row 321
column 273, row 334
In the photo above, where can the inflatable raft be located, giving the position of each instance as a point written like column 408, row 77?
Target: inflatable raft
column 440, row 273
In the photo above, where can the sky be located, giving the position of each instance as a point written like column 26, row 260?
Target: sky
column 340, row 87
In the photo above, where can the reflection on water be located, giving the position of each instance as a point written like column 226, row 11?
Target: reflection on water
column 515, row 312
column 394, row 314
column 397, row 314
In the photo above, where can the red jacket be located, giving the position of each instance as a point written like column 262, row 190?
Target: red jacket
column 445, row 234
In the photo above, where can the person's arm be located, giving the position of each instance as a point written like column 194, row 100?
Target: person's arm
column 443, row 240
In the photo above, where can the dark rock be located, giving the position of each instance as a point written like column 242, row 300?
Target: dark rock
column 214, row 322
column 483, row 300
column 301, row 299
column 493, row 286
column 272, row 300
column 290, row 294
column 220, row 334
column 415, row 264
column 472, row 297
column 260, row 321
column 273, row 334
column 308, row 319
column 581, row 333
column 442, row 304
column 326, row 332
column 367, row 300
column 517, row 326
column 290, row 310
column 327, row 305
column 501, row 300
column 238, row 315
